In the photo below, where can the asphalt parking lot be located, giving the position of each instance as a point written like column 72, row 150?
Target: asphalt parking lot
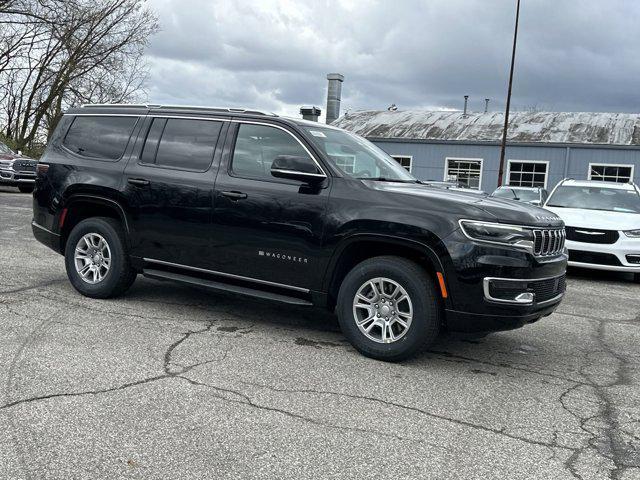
column 173, row 382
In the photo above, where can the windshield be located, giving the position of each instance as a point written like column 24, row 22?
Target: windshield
column 515, row 194
column 357, row 157
column 596, row 198
column 4, row 148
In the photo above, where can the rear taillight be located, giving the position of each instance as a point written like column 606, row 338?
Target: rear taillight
column 42, row 168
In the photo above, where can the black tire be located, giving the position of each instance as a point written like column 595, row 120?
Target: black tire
column 25, row 188
column 421, row 288
column 120, row 275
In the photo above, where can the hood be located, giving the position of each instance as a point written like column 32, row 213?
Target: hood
column 15, row 156
column 597, row 219
column 472, row 205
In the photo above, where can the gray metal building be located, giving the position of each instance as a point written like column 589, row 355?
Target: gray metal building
column 542, row 148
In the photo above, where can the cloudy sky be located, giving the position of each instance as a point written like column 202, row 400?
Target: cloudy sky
column 573, row 55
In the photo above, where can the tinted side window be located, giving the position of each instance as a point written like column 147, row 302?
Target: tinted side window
column 151, row 143
column 257, row 146
column 99, row 137
column 185, row 144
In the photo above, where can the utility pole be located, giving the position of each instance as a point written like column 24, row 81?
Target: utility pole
column 506, row 113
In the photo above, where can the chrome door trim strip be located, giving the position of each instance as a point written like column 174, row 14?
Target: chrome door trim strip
column 34, row 224
column 228, row 275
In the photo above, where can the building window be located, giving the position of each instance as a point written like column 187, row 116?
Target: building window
column 611, row 173
column 403, row 160
column 467, row 171
column 527, row 174
column 346, row 163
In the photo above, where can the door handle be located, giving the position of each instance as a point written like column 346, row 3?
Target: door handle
column 234, row 195
column 138, row 181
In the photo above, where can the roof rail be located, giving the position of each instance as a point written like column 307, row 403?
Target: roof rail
column 113, row 105
column 213, row 109
column 157, row 106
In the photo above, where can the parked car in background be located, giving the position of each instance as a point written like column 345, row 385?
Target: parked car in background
column 533, row 195
column 16, row 170
column 266, row 206
column 602, row 223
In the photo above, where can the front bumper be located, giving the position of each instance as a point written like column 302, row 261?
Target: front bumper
column 613, row 257
column 499, row 288
column 11, row 177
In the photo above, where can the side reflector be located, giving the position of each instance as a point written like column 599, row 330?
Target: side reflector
column 443, row 287
column 63, row 216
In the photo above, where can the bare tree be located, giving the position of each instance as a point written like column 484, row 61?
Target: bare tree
column 71, row 51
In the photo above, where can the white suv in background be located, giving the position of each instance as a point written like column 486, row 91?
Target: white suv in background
column 602, row 223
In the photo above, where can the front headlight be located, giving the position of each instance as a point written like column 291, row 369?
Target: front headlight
column 497, row 233
column 6, row 163
column 632, row 233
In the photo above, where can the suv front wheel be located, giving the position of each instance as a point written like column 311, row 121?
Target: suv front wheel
column 388, row 308
column 96, row 259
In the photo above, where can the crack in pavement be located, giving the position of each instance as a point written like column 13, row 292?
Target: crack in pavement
column 607, row 441
column 47, row 283
column 247, row 400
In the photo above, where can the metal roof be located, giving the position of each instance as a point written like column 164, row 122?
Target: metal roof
column 525, row 127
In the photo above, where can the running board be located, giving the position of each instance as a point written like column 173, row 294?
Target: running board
column 212, row 284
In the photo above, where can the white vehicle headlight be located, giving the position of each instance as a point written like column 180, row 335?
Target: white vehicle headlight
column 6, row 163
column 509, row 235
column 632, row 233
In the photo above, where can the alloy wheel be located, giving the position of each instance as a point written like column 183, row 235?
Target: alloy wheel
column 382, row 310
column 92, row 258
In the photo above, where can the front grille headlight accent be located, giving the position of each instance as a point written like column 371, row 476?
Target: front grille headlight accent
column 498, row 233
column 632, row 233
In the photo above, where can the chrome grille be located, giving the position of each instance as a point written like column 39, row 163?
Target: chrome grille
column 548, row 242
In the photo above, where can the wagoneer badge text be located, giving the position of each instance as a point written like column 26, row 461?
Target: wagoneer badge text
column 283, row 256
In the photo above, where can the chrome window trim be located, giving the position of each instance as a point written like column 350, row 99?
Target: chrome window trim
column 279, row 170
column 223, row 274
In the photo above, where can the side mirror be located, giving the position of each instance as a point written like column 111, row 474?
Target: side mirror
column 295, row 167
column 19, row 152
column 535, row 202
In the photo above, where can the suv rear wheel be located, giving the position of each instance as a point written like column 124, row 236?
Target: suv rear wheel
column 388, row 308
column 96, row 259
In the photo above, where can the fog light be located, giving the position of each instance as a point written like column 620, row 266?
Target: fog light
column 508, row 291
column 525, row 297
column 633, row 259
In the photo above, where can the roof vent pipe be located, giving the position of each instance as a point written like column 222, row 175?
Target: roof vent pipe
column 466, row 99
column 334, row 94
column 310, row 113
column 486, row 105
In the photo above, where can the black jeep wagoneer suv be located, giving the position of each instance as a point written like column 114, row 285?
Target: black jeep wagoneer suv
column 291, row 211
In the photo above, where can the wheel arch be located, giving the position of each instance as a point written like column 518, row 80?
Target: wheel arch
column 360, row 247
column 81, row 206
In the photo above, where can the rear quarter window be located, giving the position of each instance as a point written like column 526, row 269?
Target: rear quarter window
column 99, row 137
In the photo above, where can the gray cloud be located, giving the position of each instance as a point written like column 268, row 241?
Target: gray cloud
column 575, row 56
